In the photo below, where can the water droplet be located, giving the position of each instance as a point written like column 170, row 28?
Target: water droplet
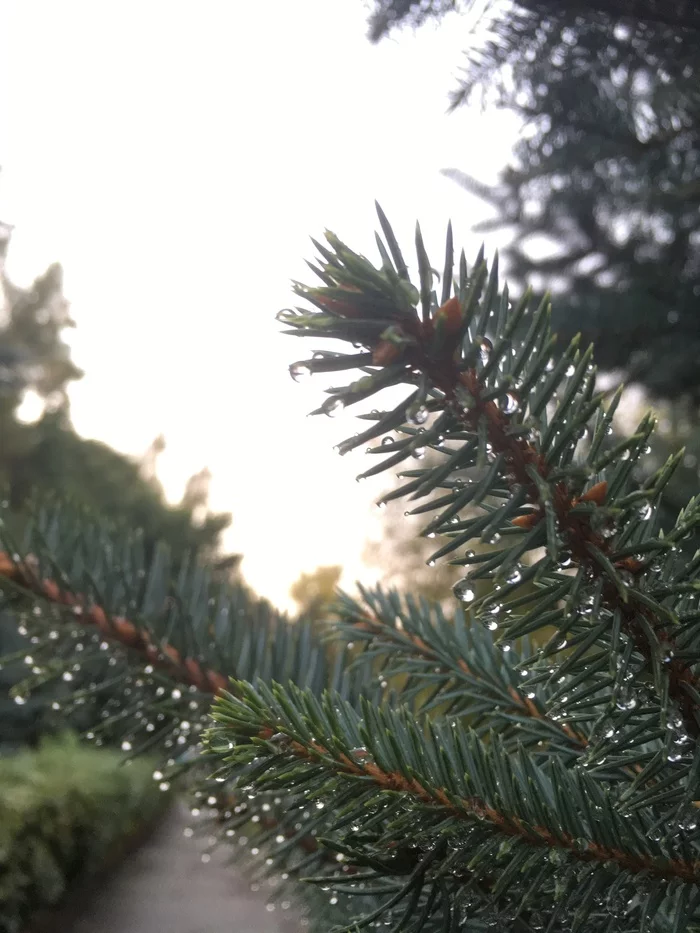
column 332, row 407
column 67, row 675
column 492, row 625
column 157, row 775
column 387, row 440
column 299, row 371
column 514, row 576
column 485, row 348
column 418, row 415
column 176, row 694
column 464, row 591
column 164, row 785
column 126, row 746
column 570, row 369
column 418, row 453
column 510, row 403
column 646, row 512
column 20, row 700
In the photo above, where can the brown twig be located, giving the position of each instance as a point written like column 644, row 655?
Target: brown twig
column 523, row 703
column 519, row 454
column 118, row 628
column 511, row 825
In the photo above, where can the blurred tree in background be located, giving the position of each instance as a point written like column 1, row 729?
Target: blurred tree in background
column 48, row 455
column 313, row 592
column 607, row 174
column 602, row 194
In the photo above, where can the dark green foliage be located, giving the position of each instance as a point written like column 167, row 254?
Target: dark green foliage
column 606, row 175
column 112, row 485
column 64, row 810
column 530, row 763
column 390, row 13
column 48, row 458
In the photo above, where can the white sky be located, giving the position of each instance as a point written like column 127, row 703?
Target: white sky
column 175, row 158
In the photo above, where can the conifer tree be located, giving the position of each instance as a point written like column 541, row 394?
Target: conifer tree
column 526, row 762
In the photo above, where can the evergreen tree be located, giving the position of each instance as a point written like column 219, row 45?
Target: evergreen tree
column 602, row 192
column 48, row 457
column 606, row 176
column 505, row 786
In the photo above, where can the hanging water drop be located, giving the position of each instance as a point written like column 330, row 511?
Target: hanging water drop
column 332, row 407
column 418, row 453
column 510, row 403
column 299, row 371
column 387, row 440
column 645, row 512
column 485, row 348
column 418, row 415
column 464, row 591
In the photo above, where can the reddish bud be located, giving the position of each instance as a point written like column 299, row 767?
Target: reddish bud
column 450, row 314
column 385, row 353
column 596, row 493
column 526, row 521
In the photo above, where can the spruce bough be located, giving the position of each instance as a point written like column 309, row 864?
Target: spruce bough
column 528, row 762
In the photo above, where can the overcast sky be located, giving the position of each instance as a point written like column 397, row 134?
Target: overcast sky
column 175, row 158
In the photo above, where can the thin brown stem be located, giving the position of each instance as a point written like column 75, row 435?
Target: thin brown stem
column 119, row 629
column 470, row 808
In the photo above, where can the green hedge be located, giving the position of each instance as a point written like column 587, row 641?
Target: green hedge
column 64, row 811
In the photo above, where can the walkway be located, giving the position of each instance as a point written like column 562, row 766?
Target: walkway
column 166, row 888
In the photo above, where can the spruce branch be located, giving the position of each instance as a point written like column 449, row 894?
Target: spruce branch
column 519, row 418
column 436, row 782
column 23, row 574
column 460, row 667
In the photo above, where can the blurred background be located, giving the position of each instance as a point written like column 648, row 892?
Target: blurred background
column 175, row 159
column 163, row 166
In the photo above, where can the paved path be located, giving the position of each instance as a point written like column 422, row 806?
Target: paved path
column 165, row 887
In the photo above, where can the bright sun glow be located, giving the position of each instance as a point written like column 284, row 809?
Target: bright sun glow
column 175, row 158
